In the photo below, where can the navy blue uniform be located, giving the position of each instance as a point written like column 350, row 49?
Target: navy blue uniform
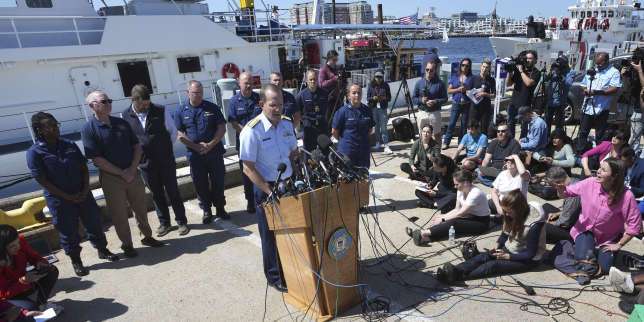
column 200, row 124
column 241, row 110
column 113, row 142
column 290, row 107
column 354, row 125
column 313, row 106
column 62, row 166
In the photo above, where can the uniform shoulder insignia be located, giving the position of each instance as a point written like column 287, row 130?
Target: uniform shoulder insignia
column 253, row 122
column 284, row 117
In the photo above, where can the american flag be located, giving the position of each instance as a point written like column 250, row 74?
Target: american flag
column 408, row 20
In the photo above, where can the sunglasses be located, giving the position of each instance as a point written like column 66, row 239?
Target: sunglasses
column 465, row 65
column 109, row 100
column 427, row 69
column 502, row 131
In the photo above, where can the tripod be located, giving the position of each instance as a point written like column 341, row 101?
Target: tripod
column 404, row 86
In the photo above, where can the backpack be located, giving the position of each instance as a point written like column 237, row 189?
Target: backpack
column 403, row 129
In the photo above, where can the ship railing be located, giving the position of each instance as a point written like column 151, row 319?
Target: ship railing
column 44, row 31
column 21, row 121
column 253, row 26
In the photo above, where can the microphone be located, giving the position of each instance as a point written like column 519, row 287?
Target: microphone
column 324, row 142
column 528, row 289
column 280, row 168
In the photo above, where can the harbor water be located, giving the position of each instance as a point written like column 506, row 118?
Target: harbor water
column 14, row 164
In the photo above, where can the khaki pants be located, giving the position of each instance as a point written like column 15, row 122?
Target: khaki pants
column 118, row 194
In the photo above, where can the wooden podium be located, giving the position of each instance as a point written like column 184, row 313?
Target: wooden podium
column 304, row 226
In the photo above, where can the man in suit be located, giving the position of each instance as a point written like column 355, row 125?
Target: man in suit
column 634, row 176
column 158, row 168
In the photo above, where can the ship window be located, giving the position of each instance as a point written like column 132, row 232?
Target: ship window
column 188, row 65
column 603, row 13
column 611, row 14
column 39, row 3
column 583, row 14
column 595, row 13
column 133, row 73
column 588, row 14
column 8, row 4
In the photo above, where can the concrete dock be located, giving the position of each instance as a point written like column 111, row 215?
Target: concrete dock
column 215, row 272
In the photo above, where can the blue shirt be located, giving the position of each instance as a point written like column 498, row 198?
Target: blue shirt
column 605, row 78
column 268, row 146
column 60, row 164
column 114, row 142
column 354, row 125
column 200, row 123
column 537, row 138
column 242, row 109
column 312, row 105
column 455, row 82
column 436, row 90
column 472, row 144
column 290, row 107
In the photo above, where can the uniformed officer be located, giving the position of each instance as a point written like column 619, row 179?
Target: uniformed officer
column 242, row 108
column 290, row 107
column 61, row 169
column 312, row 103
column 158, row 167
column 265, row 142
column 352, row 124
column 115, row 150
column 201, row 127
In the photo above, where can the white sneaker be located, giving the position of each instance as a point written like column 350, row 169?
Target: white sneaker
column 621, row 281
column 387, row 150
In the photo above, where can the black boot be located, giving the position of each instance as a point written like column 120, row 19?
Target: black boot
column 77, row 263
column 221, row 213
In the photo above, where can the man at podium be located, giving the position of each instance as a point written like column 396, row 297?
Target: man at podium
column 265, row 142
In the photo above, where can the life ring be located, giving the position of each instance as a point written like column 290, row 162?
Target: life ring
column 230, row 68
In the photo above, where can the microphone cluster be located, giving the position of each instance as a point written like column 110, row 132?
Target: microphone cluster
column 320, row 167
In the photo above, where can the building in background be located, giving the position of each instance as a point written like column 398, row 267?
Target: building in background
column 355, row 12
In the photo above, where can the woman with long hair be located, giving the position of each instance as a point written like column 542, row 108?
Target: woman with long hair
column 25, row 289
column 458, row 85
column 559, row 153
column 610, row 148
column 471, row 216
column 519, row 248
column 609, row 219
column 420, row 154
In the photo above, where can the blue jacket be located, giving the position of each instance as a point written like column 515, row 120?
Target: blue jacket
column 378, row 90
column 434, row 87
column 636, row 176
column 537, row 138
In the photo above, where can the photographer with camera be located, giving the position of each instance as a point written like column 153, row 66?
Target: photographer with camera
column 633, row 78
column 429, row 94
column 600, row 87
column 524, row 76
column 558, row 83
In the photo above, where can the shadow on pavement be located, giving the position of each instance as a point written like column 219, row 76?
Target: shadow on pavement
column 99, row 309
column 174, row 248
column 72, row 284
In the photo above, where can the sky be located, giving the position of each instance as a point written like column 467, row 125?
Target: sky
column 443, row 8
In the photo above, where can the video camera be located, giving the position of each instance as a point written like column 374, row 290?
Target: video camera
column 630, row 75
column 512, row 63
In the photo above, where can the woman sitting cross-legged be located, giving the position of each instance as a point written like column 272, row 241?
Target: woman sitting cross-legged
column 440, row 185
column 419, row 156
column 470, row 217
column 609, row 219
column 519, row 248
column 513, row 177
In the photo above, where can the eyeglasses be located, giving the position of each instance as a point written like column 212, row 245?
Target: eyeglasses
column 107, row 101
column 465, row 65
column 427, row 69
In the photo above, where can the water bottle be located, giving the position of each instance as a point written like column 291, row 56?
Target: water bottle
column 452, row 234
